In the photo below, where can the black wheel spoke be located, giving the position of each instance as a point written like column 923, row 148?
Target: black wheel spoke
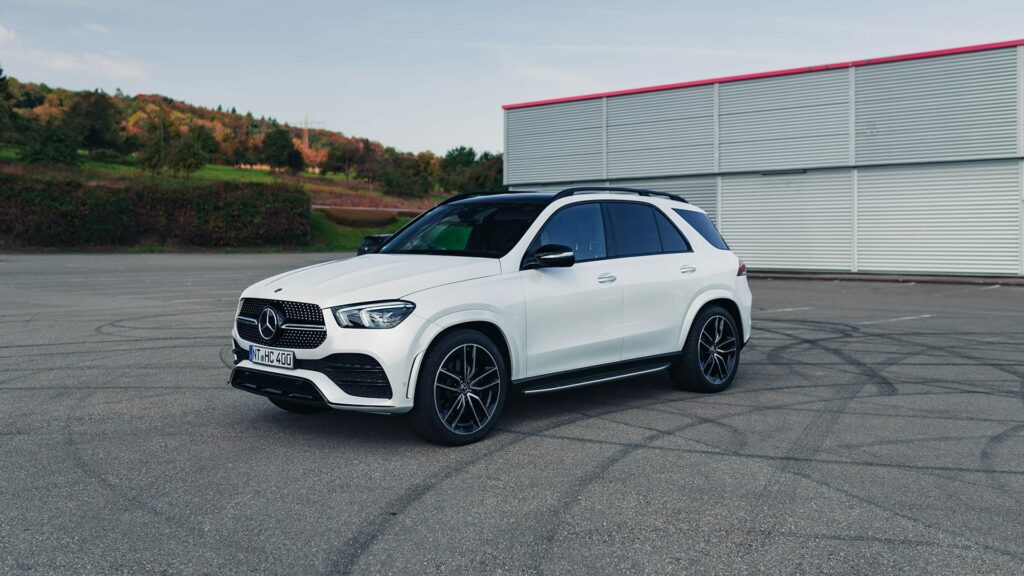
column 465, row 392
column 717, row 349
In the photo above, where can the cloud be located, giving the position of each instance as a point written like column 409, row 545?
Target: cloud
column 107, row 65
column 97, row 28
column 548, row 75
column 7, row 37
column 615, row 49
column 15, row 54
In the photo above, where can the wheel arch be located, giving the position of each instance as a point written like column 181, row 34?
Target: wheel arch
column 712, row 298
column 485, row 327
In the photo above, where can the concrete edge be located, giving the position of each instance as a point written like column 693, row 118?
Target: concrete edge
column 895, row 278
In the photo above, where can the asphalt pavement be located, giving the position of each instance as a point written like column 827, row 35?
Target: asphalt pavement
column 873, row 428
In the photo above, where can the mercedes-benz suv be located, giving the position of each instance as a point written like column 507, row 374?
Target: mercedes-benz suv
column 498, row 293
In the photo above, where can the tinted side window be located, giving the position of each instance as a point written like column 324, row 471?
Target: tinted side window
column 671, row 238
column 634, row 229
column 702, row 224
column 579, row 227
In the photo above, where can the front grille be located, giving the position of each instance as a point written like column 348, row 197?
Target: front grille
column 356, row 374
column 276, row 386
column 299, row 312
column 285, row 338
column 293, row 312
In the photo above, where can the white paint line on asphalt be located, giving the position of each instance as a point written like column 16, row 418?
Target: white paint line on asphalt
column 901, row 319
column 200, row 300
column 785, row 310
column 991, row 287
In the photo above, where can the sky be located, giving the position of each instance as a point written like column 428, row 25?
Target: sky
column 432, row 75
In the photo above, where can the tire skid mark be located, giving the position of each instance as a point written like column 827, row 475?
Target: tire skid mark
column 372, row 530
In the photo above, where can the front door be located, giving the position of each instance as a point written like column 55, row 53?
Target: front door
column 573, row 315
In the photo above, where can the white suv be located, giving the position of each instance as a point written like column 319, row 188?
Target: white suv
column 488, row 294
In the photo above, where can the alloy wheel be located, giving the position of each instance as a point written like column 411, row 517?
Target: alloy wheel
column 466, row 389
column 717, row 349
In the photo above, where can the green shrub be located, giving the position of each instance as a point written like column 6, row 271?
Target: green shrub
column 65, row 212
column 360, row 218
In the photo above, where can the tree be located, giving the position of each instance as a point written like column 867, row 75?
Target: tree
column 158, row 144
column 406, row 175
column 7, row 119
column 277, row 147
column 243, row 153
column 96, row 120
column 294, row 161
column 486, row 173
column 340, row 158
column 207, row 141
column 456, row 168
column 52, row 143
column 187, row 155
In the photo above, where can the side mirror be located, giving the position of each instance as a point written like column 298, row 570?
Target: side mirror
column 550, row 256
column 370, row 244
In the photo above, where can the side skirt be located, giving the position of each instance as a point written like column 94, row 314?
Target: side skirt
column 594, row 375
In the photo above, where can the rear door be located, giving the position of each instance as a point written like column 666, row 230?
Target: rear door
column 573, row 315
column 660, row 275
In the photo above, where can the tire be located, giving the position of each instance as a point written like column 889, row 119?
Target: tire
column 459, row 396
column 707, row 364
column 296, row 407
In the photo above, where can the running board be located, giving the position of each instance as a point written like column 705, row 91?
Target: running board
column 578, row 379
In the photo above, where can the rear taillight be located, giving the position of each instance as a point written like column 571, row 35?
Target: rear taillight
column 742, row 270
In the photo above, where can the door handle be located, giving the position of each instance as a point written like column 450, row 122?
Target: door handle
column 606, row 278
column 687, row 269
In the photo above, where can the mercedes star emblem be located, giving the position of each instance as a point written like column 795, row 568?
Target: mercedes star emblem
column 269, row 322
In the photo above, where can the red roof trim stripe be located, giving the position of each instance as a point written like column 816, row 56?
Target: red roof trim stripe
column 788, row 72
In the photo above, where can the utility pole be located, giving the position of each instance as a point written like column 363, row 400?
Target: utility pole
column 306, row 123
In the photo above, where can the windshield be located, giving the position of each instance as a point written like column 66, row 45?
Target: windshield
column 487, row 229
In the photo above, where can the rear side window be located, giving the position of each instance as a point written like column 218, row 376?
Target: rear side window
column 703, row 225
column 671, row 238
column 634, row 229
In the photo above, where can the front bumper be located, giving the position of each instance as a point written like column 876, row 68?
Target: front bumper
column 294, row 388
column 396, row 350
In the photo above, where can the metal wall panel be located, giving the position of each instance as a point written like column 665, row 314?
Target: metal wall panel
column 558, row 142
column 797, row 121
column 701, row 191
column 790, row 221
column 952, row 107
column 555, row 187
column 658, row 133
column 949, row 218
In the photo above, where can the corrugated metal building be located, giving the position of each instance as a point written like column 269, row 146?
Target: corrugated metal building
column 906, row 164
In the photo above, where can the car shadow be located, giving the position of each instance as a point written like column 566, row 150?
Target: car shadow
column 521, row 412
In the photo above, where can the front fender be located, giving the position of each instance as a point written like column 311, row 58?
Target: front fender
column 460, row 317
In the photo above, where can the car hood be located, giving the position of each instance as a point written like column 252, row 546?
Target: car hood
column 371, row 277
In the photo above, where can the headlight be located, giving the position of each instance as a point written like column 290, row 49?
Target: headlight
column 373, row 315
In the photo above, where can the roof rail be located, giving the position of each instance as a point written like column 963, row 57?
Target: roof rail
column 617, row 189
column 465, row 195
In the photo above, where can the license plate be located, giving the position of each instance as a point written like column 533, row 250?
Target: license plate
column 271, row 357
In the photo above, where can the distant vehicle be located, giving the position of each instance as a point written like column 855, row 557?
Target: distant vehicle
column 491, row 293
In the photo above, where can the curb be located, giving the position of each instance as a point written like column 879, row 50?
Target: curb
column 894, row 278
